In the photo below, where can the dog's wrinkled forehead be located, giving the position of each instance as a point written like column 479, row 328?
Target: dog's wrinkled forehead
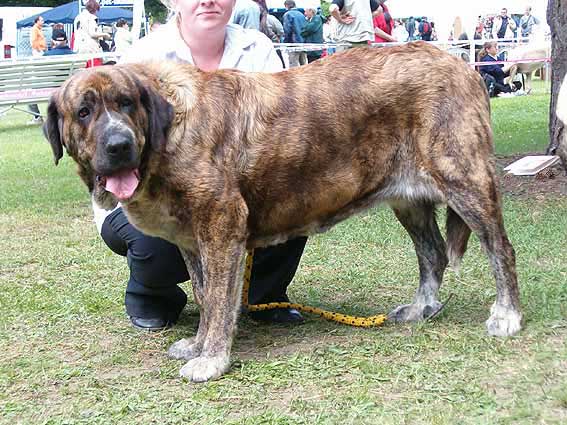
column 97, row 85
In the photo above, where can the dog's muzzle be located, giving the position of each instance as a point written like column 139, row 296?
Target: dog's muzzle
column 116, row 162
column 120, row 150
column 116, row 150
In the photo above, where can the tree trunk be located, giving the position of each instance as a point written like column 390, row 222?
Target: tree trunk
column 557, row 20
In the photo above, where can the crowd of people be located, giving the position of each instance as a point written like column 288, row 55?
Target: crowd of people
column 348, row 21
column 87, row 37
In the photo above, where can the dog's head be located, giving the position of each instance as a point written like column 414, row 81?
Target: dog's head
column 109, row 120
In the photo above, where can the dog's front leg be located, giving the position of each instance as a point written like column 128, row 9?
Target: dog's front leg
column 190, row 348
column 223, row 268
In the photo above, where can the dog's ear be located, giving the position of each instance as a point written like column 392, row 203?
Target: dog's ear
column 51, row 130
column 160, row 116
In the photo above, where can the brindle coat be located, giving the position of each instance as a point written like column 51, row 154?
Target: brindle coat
column 230, row 161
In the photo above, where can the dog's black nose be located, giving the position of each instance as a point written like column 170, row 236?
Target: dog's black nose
column 119, row 146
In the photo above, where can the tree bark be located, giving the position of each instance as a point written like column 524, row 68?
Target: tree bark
column 557, row 20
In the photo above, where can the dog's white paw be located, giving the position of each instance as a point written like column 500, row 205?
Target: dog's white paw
column 184, row 349
column 203, row 369
column 414, row 312
column 503, row 321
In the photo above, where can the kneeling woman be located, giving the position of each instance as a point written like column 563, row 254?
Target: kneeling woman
column 494, row 74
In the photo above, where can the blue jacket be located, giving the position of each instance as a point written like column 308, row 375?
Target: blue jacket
column 293, row 23
column 494, row 70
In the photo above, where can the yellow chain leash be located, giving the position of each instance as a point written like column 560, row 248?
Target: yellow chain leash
column 364, row 322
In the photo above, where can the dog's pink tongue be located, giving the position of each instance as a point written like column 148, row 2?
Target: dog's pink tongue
column 122, row 184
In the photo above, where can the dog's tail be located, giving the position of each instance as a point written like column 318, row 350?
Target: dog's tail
column 458, row 233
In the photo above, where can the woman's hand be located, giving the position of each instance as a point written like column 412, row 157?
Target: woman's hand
column 347, row 19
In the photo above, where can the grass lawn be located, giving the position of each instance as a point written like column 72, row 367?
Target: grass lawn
column 68, row 354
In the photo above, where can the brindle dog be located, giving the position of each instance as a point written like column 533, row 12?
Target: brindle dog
column 221, row 162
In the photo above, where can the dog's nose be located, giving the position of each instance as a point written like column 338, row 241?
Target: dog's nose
column 119, row 146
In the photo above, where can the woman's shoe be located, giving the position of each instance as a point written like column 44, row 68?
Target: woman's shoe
column 277, row 315
column 153, row 324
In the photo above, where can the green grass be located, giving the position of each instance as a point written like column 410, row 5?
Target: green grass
column 520, row 124
column 69, row 356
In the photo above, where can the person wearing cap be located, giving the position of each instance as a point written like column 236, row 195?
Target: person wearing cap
column 59, row 44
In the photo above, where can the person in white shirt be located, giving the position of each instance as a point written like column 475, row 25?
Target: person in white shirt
column 122, row 36
column 87, row 35
column 199, row 34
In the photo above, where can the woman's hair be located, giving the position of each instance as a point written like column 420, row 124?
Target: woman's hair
column 389, row 21
column 121, row 22
column 484, row 51
column 92, row 6
column 263, row 17
column 37, row 18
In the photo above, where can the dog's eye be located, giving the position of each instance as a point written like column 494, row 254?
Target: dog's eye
column 125, row 103
column 84, row 112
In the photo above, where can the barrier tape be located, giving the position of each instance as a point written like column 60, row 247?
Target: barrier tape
column 510, row 61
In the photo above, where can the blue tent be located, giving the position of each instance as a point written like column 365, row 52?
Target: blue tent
column 66, row 13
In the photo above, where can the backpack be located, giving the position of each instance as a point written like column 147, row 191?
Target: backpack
column 426, row 29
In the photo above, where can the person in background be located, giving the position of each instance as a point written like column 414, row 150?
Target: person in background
column 410, row 28
column 330, row 33
column 293, row 23
column 424, row 29
column 479, row 29
column 354, row 19
column 199, row 34
column 246, row 13
column 434, row 36
column 39, row 46
column 494, row 75
column 400, row 33
column 87, row 35
column 37, row 39
column 312, row 32
column 383, row 24
column 503, row 25
column 275, row 28
column 59, row 45
column 122, row 36
column 527, row 22
column 270, row 26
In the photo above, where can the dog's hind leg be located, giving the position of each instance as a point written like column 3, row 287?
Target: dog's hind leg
column 482, row 212
column 419, row 221
column 190, row 348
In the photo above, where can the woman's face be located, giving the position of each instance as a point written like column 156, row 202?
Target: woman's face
column 493, row 49
column 198, row 15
